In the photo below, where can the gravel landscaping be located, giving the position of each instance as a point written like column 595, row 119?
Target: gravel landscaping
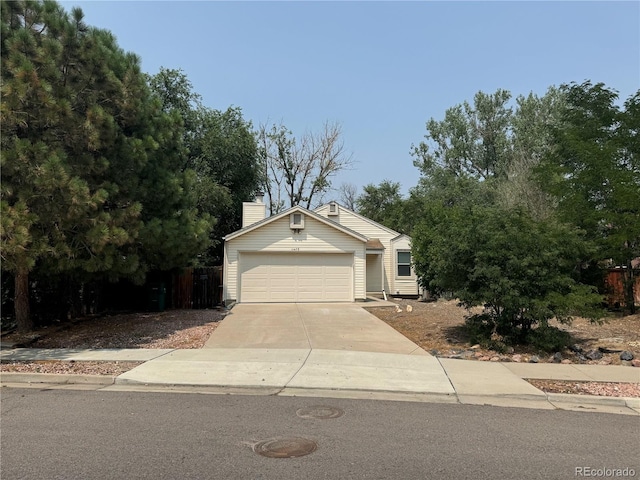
column 185, row 329
column 606, row 389
column 71, row 367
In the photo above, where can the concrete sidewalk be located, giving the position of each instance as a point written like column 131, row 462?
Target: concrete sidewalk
column 340, row 373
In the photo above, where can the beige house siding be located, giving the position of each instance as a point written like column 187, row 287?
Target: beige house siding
column 252, row 212
column 370, row 229
column 277, row 236
column 403, row 285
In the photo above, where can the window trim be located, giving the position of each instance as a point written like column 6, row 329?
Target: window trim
column 296, row 226
column 398, row 264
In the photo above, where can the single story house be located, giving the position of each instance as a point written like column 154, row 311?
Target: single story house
column 330, row 254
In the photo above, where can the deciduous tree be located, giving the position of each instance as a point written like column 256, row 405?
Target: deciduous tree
column 471, row 140
column 382, row 203
column 348, row 195
column 594, row 172
column 494, row 141
column 298, row 171
column 219, row 147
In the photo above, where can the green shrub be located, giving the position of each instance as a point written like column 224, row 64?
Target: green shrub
column 548, row 339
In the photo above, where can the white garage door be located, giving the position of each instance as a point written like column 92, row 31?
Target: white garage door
column 298, row 277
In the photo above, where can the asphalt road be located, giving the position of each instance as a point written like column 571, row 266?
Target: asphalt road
column 68, row 434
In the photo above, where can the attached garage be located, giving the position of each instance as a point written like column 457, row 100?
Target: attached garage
column 297, row 277
column 294, row 256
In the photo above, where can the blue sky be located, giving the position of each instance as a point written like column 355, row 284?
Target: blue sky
column 380, row 69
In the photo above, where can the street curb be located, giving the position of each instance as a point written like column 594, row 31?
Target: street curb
column 107, row 381
column 526, row 397
column 57, row 378
column 128, row 382
column 630, row 402
column 133, row 382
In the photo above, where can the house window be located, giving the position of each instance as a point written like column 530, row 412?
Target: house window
column 296, row 221
column 403, row 263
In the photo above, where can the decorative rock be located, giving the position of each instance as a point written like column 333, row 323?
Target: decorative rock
column 484, row 358
column 467, row 354
column 510, row 350
column 609, row 350
column 495, row 359
column 594, row 354
column 635, row 363
column 557, row 357
column 605, row 361
column 534, row 359
column 582, row 358
column 627, row 355
column 517, row 358
column 576, row 348
column 566, row 361
column 475, row 347
column 478, row 355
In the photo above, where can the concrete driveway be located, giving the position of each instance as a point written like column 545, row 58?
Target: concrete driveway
column 302, row 349
column 309, row 326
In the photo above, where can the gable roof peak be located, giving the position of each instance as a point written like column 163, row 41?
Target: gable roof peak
column 362, row 217
column 289, row 211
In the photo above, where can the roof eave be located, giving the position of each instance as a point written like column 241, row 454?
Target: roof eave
column 280, row 215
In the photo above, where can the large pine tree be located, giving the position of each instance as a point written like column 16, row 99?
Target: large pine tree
column 90, row 182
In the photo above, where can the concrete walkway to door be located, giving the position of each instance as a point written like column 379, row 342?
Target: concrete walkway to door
column 309, row 326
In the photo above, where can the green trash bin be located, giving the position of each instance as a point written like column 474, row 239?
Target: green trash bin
column 157, row 294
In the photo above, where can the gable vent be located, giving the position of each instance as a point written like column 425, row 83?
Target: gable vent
column 296, row 221
column 333, row 208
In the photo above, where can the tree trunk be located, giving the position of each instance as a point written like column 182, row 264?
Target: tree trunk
column 21, row 301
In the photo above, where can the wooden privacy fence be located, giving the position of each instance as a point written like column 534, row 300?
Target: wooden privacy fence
column 614, row 285
column 195, row 288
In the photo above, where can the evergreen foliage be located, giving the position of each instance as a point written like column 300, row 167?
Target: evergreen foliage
column 523, row 271
column 90, row 164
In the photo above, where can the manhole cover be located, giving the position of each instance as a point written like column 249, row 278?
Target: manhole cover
column 321, row 412
column 285, row 447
